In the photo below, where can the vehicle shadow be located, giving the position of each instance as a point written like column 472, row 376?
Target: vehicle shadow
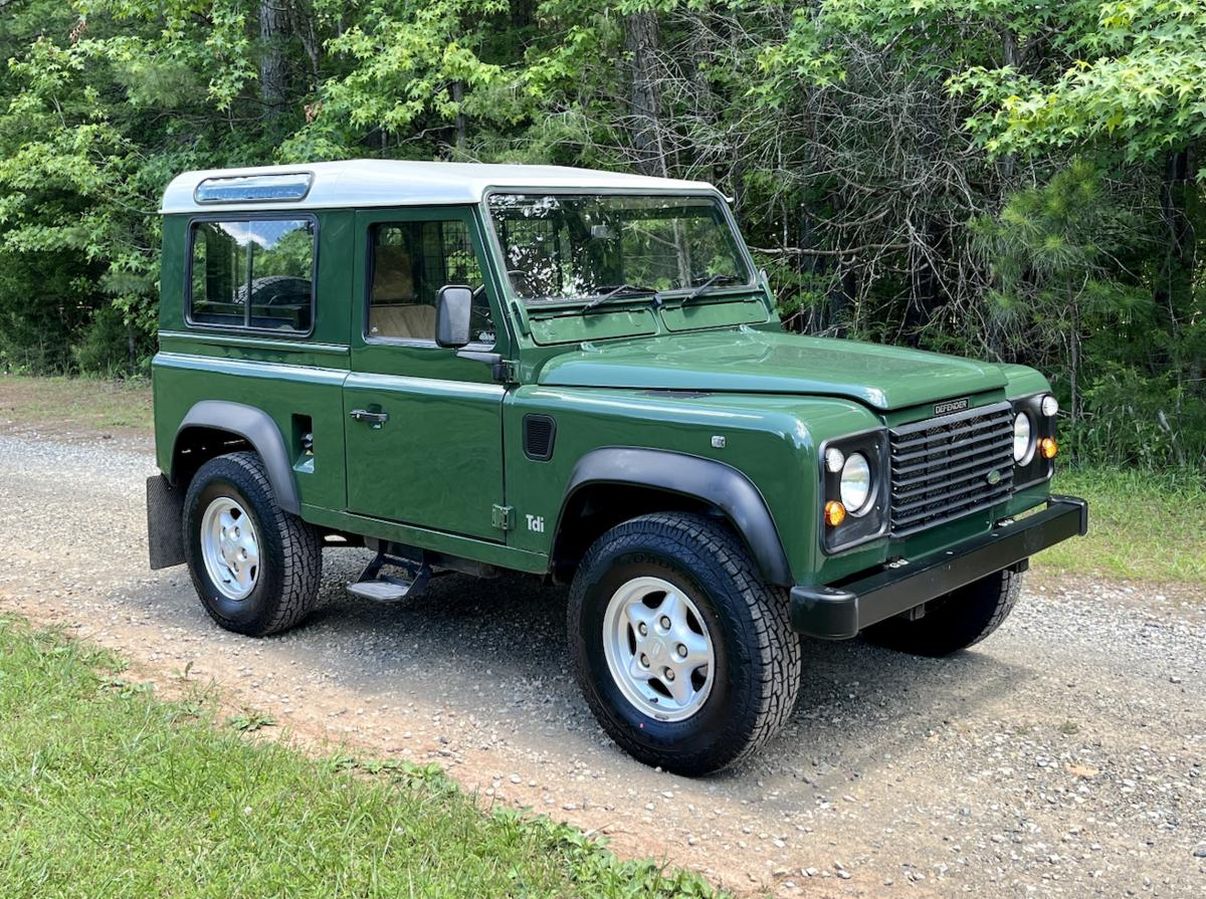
column 496, row 649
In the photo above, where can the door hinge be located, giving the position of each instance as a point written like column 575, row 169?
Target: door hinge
column 502, row 517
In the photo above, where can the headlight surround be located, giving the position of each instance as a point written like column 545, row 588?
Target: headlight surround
column 855, row 485
column 1023, row 439
column 1040, row 413
column 853, row 475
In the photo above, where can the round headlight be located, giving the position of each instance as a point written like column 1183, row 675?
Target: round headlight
column 856, row 484
column 1050, row 406
column 1023, row 446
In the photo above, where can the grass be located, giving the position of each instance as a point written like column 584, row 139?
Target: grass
column 80, row 404
column 1142, row 526
column 107, row 792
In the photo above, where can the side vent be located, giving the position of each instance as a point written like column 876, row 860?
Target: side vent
column 539, row 432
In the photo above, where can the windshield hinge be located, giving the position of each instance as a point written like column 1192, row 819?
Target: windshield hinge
column 502, row 517
column 507, row 371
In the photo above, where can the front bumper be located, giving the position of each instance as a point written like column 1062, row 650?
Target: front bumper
column 837, row 613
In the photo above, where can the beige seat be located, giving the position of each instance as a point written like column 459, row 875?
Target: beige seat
column 394, row 312
column 414, row 321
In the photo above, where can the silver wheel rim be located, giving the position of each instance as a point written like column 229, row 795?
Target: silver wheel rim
column 230, row 547
column 658, row 649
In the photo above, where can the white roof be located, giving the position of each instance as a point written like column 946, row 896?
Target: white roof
column 372, row 182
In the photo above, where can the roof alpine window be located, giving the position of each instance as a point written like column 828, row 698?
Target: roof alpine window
column 255, row 188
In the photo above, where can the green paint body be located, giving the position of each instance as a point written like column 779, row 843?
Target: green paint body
column 628, row 374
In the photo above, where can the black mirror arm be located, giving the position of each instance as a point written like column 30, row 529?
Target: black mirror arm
column 503, row 369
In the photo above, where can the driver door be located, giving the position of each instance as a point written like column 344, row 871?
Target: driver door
column 423, row 427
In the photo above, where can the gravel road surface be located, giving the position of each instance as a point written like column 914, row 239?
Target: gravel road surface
column 1064, row 756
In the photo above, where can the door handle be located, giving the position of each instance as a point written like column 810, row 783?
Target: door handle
column 376, row 419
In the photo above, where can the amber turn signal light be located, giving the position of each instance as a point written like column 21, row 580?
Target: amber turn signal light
column 1048, row 448
column 835, row 513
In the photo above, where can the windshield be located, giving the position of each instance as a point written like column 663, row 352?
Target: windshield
column 559, row 247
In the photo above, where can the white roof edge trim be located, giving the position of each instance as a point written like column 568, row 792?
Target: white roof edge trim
column 370, row 182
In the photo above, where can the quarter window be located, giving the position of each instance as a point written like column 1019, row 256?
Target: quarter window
column 411, row 261
column 257, row 273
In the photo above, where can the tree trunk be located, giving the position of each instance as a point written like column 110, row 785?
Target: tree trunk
column 1174, row 294
column 641, row 40
column 1074, row 373
column 274, row 65
column 302, row 20
column 521, row 13
column 458, row 96
column 1009, row 55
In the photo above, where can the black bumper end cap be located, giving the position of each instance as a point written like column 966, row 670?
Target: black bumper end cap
column 824, row 612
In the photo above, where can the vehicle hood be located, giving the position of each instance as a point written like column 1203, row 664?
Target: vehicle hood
column 749, row 361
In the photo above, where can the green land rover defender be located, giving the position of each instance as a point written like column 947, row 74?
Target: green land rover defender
column 578, row 375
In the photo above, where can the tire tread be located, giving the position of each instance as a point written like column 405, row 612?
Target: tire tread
column 700, row 542
column 301, row 548
column 959, row 620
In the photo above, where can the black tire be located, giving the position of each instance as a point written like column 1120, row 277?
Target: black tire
column 757, row 655
column 290, row 567
column 955, row 621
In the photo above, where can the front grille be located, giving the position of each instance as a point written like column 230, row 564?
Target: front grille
column 944, row 468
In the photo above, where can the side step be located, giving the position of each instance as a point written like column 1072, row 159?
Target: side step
column 379, row 587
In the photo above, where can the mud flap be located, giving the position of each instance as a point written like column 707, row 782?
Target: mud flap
column 165, row 507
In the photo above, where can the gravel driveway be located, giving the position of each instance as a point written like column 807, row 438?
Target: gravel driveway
column 1064, row 756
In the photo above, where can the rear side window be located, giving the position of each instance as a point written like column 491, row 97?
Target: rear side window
column 256, row 273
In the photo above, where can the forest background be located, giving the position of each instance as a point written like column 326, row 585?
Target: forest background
column 1018, row 180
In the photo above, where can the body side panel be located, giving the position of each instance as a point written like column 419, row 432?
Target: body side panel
column 764, row 438
column 281, row 391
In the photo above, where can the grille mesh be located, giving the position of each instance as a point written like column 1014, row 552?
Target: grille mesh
column 944, row 468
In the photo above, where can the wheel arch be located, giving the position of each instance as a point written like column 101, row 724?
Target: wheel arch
column 614, row 484
column 214, row 427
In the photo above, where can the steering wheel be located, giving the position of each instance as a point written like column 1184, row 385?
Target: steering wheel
column 525, row 276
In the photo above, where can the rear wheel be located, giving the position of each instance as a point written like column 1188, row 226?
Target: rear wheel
column 955, row 621
column 255, row 567
column 686, row 657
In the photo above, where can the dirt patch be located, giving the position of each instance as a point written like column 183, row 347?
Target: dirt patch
column 1062, row 755
column 77, row 410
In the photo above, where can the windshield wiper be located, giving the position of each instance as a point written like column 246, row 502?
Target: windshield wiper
column 624, row 290
column 710, row 284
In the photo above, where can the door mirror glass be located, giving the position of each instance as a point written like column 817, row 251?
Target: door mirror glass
column 453, row 309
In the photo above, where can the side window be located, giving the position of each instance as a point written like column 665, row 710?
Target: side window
column 257, row 273
column 410, row 262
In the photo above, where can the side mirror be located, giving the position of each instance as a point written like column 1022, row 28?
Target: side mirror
column 453, row 306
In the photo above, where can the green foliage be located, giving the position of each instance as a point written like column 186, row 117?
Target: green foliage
column 1133, row 77
column 90, row 760
column 105, row 345
column 1147, row 525
column 1013, row 180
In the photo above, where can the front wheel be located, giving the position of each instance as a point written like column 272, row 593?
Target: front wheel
column 955, row 621
column 686, row 657
column 255, row 567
